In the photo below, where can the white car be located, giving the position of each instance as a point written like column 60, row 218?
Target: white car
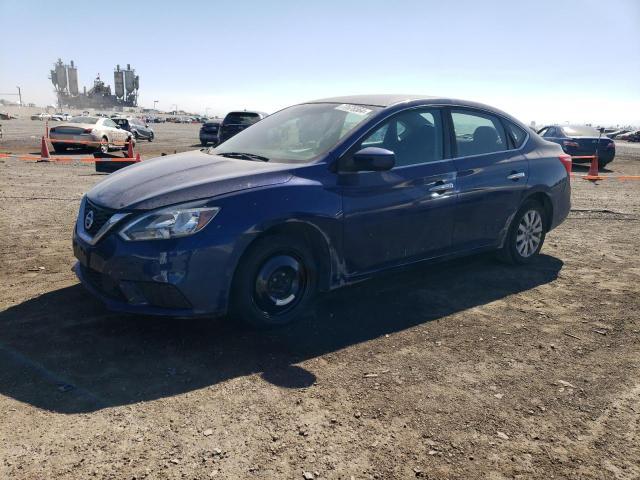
column 40, row 116
column 89, row 132
column 61, row 117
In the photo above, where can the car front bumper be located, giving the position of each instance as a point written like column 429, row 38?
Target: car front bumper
column 185, row 277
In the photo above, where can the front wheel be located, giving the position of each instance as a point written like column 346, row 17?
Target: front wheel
column 274, row 283
column 151, row 137
column 526, row 234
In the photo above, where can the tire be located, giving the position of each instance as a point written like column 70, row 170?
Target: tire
column 203, row 143
column 274, row 283
column 530, row 222
column 151, row 137
column 136, row 135
column 59, row 148
column 104, row 145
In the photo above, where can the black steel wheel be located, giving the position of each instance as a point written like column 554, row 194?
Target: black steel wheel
column 275, row 282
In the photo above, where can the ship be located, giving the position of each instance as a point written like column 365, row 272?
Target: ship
column 65, row 80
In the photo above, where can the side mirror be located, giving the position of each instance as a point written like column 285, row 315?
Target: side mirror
column 373, row 159
column 118, row 127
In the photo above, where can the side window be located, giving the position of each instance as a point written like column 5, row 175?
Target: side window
column 550, row 133
column 109, row 123
column 415, row 136
column 477, row 133
column 517, row 134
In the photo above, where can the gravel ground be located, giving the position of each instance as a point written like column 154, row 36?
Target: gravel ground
column 467, row 370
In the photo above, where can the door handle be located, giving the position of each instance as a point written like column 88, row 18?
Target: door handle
column 516, row 176
column 441, row 188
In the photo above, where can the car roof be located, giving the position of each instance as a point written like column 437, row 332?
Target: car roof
column 257, row 112
column 391, row 100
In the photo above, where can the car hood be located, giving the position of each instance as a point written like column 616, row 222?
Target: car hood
column 182, row 178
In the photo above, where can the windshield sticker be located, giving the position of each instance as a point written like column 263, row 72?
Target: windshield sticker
column 357, row 109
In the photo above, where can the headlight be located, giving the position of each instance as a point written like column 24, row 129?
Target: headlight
column 172, row 222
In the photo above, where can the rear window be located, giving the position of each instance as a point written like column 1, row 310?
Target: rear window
column 241, row 118
column 518, row 135
column 84, row 120
column 574, row 131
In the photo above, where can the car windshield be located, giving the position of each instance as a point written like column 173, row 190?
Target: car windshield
column 241, row 118
column 298, row 134
column 578, row 131
column 83, row 120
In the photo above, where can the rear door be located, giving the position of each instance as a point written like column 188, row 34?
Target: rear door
column 406, row 213
column 492, row 176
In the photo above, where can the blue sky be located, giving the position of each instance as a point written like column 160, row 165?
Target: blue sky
column 539, row 60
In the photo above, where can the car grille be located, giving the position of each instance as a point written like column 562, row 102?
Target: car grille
column 102, row 283
column 100, row 216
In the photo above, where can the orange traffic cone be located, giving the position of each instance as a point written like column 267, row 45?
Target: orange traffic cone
column 130, row 148
column 44, row 151
column 593, row 168
column 138, row 157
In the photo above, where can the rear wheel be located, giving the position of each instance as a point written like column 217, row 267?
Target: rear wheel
column 526, row 234
column 274, row 283
column 104, row 145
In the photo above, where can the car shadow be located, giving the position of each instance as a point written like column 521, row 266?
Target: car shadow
column 63, row 352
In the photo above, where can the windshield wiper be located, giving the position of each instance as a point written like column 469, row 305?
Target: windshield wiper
column 244, row 156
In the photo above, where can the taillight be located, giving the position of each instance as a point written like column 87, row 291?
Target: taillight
column 611, row 145
column 87, row 130
column 566, row 161
column 569, row 143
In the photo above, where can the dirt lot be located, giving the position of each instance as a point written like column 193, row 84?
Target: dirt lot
column 467, row 370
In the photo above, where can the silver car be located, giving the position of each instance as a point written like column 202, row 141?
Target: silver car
column 88, row 132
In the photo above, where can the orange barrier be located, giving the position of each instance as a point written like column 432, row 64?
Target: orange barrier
column 38, row 158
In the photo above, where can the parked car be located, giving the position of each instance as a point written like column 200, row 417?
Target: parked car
column 581, row 141
column 136, row 127
column 209, row 133
column 60, row 117
column 314, row 197
column 92, row 132
column 40, row 116
column 235, row 122
column 615, row 134
column 633, row 136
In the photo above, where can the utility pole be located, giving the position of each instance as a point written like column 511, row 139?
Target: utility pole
column 19, row 95
column 155, row 102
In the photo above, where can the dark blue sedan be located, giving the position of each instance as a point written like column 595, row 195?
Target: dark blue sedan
column 314, row 197
column 581, row 141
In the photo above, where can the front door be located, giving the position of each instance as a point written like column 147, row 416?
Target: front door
column 404, row 214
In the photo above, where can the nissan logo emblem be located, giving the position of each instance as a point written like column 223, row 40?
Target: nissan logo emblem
column 88, row 220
